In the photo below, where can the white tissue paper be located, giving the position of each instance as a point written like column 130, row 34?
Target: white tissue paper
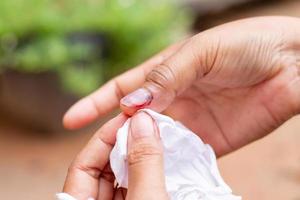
column 190, row 165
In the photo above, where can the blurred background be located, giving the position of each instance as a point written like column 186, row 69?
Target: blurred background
column 52, row 52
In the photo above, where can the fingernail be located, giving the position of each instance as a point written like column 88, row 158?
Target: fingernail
column 141, row 125
column 139, row 98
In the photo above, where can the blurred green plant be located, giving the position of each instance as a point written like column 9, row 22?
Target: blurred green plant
column 85, row 41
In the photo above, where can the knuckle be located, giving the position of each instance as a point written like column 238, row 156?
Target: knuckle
column 206, row 51
column 71, row 168
column 77, row 167
column 143, row 153
column 108, row 175
column 163, row 76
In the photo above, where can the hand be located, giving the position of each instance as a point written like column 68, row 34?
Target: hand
column 90, row 175
column 231, row 85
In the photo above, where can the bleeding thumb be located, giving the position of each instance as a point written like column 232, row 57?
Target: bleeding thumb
column 164, row 82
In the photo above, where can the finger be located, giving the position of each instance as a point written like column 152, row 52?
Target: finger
column 106, row 184
column 120, row 194
column 108, row 96
column 82, row 180
column 145, row 160
column 167, row 80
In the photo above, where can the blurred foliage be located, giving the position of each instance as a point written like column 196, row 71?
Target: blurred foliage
column 85, row 41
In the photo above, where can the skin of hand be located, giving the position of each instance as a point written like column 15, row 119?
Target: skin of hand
column 90, row 175
column 231, row 84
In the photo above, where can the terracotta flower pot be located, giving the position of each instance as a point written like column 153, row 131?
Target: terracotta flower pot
column 34, row 100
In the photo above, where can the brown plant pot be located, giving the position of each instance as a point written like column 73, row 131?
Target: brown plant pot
column 34, row 100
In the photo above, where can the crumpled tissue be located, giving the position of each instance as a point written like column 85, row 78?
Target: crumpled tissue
column 190, row 166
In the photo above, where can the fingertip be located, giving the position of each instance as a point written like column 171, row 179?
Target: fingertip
column 119, row 119
column 80, row 114
column 142, row 125
column 109, row 130
column 136, row 100
column 129, row 111
column 115, row 123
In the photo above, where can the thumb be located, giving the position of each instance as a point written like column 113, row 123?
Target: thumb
column 165, row 81
column 145, row 160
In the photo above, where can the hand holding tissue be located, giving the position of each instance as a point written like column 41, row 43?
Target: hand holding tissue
column 190, row 165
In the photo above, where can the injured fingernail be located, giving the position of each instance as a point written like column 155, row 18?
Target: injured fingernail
column 139, row 98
